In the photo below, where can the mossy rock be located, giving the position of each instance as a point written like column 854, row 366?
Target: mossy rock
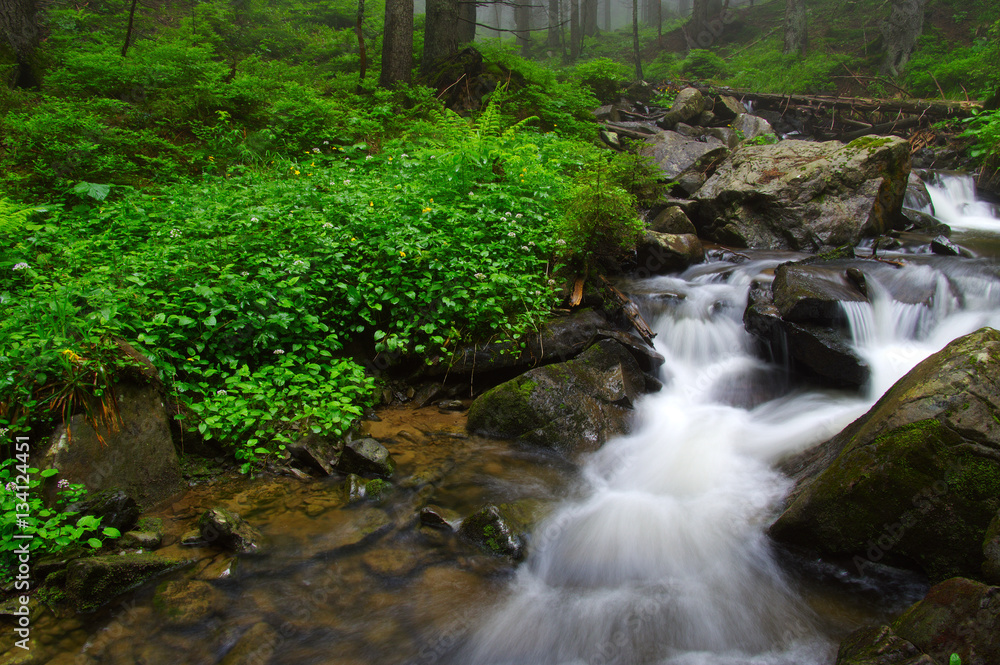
column 573, row 407
column 96, row 581
column 229, row 531
column 366, row 457
column 915, row 482
column 497, row 530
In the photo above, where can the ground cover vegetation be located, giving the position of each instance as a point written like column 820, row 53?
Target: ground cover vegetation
column 226, row 187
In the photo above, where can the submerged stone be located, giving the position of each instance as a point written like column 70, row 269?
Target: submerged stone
column 496, row 530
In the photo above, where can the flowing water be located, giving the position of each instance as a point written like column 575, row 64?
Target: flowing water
column 651, row 551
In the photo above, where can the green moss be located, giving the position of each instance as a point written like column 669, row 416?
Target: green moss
column 377, row 488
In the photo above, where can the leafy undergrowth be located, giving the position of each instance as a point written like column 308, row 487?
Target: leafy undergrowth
column 244, row 288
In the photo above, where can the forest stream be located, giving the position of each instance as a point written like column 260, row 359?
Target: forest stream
column 650, row 551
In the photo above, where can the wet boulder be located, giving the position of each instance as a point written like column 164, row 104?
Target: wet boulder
column 95, row 581
column 813, row 349
column 727, row 108
column 880, row 645
column 801, row 195
column 573, row 406
column 813, row 293
column 660, row 253
column 366, row 457
column 226, row 529
column 498, row 530
column 315, row 453
column 915, row 482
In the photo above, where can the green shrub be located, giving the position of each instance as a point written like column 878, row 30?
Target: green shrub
column 604, row 77
column 704, row 64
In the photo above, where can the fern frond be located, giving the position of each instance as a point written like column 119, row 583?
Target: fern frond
column 13, row 218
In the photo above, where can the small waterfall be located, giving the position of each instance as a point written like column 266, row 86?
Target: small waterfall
column 664, row 559
column 953, row 197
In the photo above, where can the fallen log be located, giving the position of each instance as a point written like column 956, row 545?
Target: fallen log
column 936, row 108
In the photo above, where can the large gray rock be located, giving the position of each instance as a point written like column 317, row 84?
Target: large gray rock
column 676, row 154
column 667, row 252
column 672, row 220
column 751, row 126
column 916, row 480
column 726, row 108
column 804, row 196
column 688, row 104
column 114, row 506
column 573, row 406
column 138, row 456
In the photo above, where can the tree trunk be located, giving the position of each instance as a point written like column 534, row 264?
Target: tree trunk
column 19, row 25
column 796, row 34
column 899, row 34
column 522, row 26
column 128, row 30
column 397, row 43
column 589, row 17
column 635, row 40
column 607, row 15
column 575, row 38
column 467, row 15
column 362, row 51
column 440, row 32
column 552, row 38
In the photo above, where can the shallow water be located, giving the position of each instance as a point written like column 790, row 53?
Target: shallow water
column 649, row 551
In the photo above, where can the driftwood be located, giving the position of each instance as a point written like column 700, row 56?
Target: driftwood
column 628, row 132
column 630, row 311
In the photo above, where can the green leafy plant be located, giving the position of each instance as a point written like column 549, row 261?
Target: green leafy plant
column 24, row 512
column 704, row 64
column 604, row 76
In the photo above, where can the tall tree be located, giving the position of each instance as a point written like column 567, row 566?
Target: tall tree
column 522, row 25
column 19, row 25
column 589, row 19
column 900, row 32
column 552, row 38
column 397, row 43
column 362, row 51
column 467, row 16
column 440, row 32
column 635, row 40
column 796, row 34
column 575, row 35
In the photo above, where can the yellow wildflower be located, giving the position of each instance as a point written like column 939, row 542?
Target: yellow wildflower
column 403, row 254
column 427, row 209
column 72, row 355
column 296, row 172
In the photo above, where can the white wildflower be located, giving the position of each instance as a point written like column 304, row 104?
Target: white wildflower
column 326, row 143
column 531, row 243
column 62, row 484
column 20, row 266
column 479, row 275
column 254, row 220
column 279, row 352
column 175, row 233
column 369, row 157
column 327, row 225
column 560, row 242
column 245, row 273
column 518, row 216
column 511, row 235
column 507, row 214
column 347, row 182
column 11, row 487
column 221, row 392
column 552, row 282
column 315, row 149
column 525, row 248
